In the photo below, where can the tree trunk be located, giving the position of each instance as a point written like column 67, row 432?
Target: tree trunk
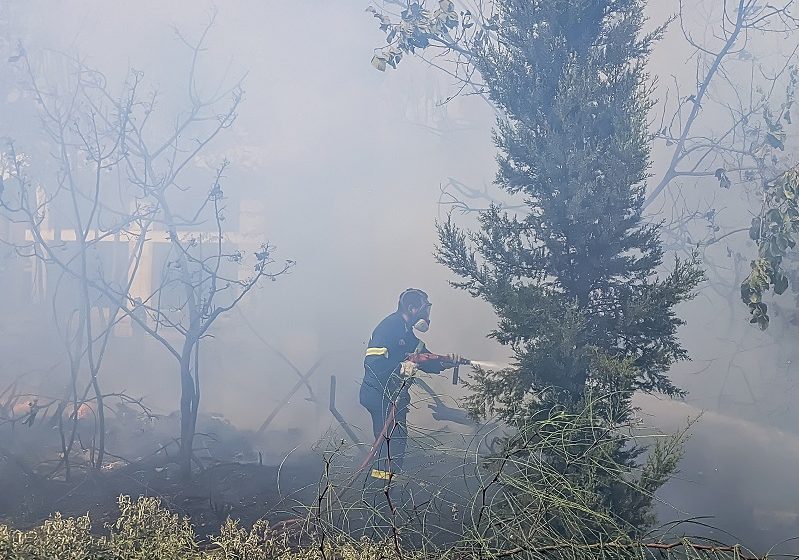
column 98, row 464
column 187, row 415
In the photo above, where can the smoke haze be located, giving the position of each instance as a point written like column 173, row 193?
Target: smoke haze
column 342, row 168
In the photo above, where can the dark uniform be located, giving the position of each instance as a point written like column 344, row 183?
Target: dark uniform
column 383, row 385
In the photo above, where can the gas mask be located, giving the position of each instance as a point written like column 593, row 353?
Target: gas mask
column 418, row 313
column 421, row 325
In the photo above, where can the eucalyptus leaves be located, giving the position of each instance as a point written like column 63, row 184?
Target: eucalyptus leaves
column 775, row 232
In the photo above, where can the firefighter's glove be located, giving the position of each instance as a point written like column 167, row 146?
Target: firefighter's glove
column 408, row 369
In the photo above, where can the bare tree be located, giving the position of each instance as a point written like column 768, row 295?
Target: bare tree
column 126, row 172
column 744, row 146
column 71, row 194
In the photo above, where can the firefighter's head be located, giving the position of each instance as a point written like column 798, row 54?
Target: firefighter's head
column 415, row 308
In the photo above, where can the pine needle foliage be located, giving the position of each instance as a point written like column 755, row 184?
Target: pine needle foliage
column 577, row 279
column 576, row 274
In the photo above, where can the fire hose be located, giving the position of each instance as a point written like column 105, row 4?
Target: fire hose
column 437, row 361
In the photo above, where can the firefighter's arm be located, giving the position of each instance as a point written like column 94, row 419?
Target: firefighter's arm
column 437, row 366
column 377, row 353
column 428, row 366
column 432, row 367
column 440, row 365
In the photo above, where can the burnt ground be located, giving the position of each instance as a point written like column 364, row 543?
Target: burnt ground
column 234, row 481
column 244, row 491
column 437, row 489
column 230, row 477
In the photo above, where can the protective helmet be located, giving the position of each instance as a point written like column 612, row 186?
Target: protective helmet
column 412, row 297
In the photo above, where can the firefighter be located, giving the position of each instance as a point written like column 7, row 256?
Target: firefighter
column 388, row 376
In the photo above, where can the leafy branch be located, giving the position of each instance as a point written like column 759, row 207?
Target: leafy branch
column 775, row 232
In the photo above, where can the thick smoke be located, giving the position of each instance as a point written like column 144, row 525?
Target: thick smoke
column 341, row 167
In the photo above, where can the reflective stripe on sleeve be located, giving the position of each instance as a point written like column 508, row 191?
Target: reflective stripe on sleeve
column 377, row 352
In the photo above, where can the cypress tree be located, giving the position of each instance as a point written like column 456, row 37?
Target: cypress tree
column 574, row 277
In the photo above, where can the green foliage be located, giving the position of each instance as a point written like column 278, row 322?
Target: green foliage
column 416, row 28
column 564, row 475
column 493, row 533
column 261, row 543
column 56, row 538
column 237, row 543
column 605, row 478
column 573, row 278
column 775, row 232
column 145, row 530
column 576, row 272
